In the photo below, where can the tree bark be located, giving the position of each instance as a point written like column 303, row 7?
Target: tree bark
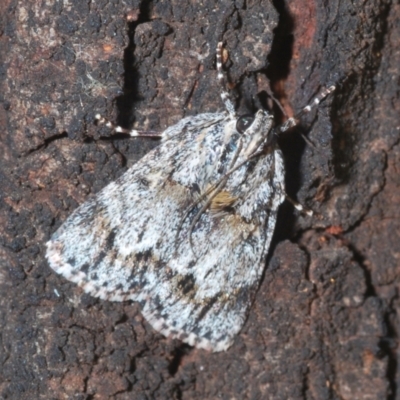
column 324, row 323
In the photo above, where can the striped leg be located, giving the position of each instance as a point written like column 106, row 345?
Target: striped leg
column 221, row 79
column 308, row 108
column 299, row 206
column 131, row 132
column 293, row 122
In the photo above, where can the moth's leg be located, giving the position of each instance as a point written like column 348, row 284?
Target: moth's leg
column 131, row 132
column 213, row 191
column 299, row 207
column 308, row 108
column 204, row 196
column 221, row 79
column 208, row 195
column 203, row 209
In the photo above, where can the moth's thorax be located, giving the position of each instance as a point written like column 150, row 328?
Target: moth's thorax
column 258, row 133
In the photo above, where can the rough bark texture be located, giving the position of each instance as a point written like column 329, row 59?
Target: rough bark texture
column 324, row 323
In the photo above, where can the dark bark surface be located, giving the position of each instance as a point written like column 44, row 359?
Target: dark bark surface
column 324, row 324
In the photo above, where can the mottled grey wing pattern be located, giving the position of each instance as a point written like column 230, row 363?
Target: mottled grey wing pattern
column 132, row 242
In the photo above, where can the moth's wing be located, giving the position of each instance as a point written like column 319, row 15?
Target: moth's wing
column 209, row 286
column 103, row 244
column 121, row 245
column 205, row 304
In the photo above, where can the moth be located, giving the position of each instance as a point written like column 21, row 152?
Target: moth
column 186, row 230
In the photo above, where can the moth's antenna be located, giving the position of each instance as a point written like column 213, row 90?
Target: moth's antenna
column 314, row 103
column 221, row 79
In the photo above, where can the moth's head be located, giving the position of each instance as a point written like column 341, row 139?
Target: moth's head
column 257, row 130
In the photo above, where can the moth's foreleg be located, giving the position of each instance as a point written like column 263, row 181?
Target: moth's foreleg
column 299, row 206
column 131, row 132
column 293, row 121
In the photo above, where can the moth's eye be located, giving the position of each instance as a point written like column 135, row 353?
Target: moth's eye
column 244, row 122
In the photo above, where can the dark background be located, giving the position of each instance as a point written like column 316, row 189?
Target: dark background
column 324, row 324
